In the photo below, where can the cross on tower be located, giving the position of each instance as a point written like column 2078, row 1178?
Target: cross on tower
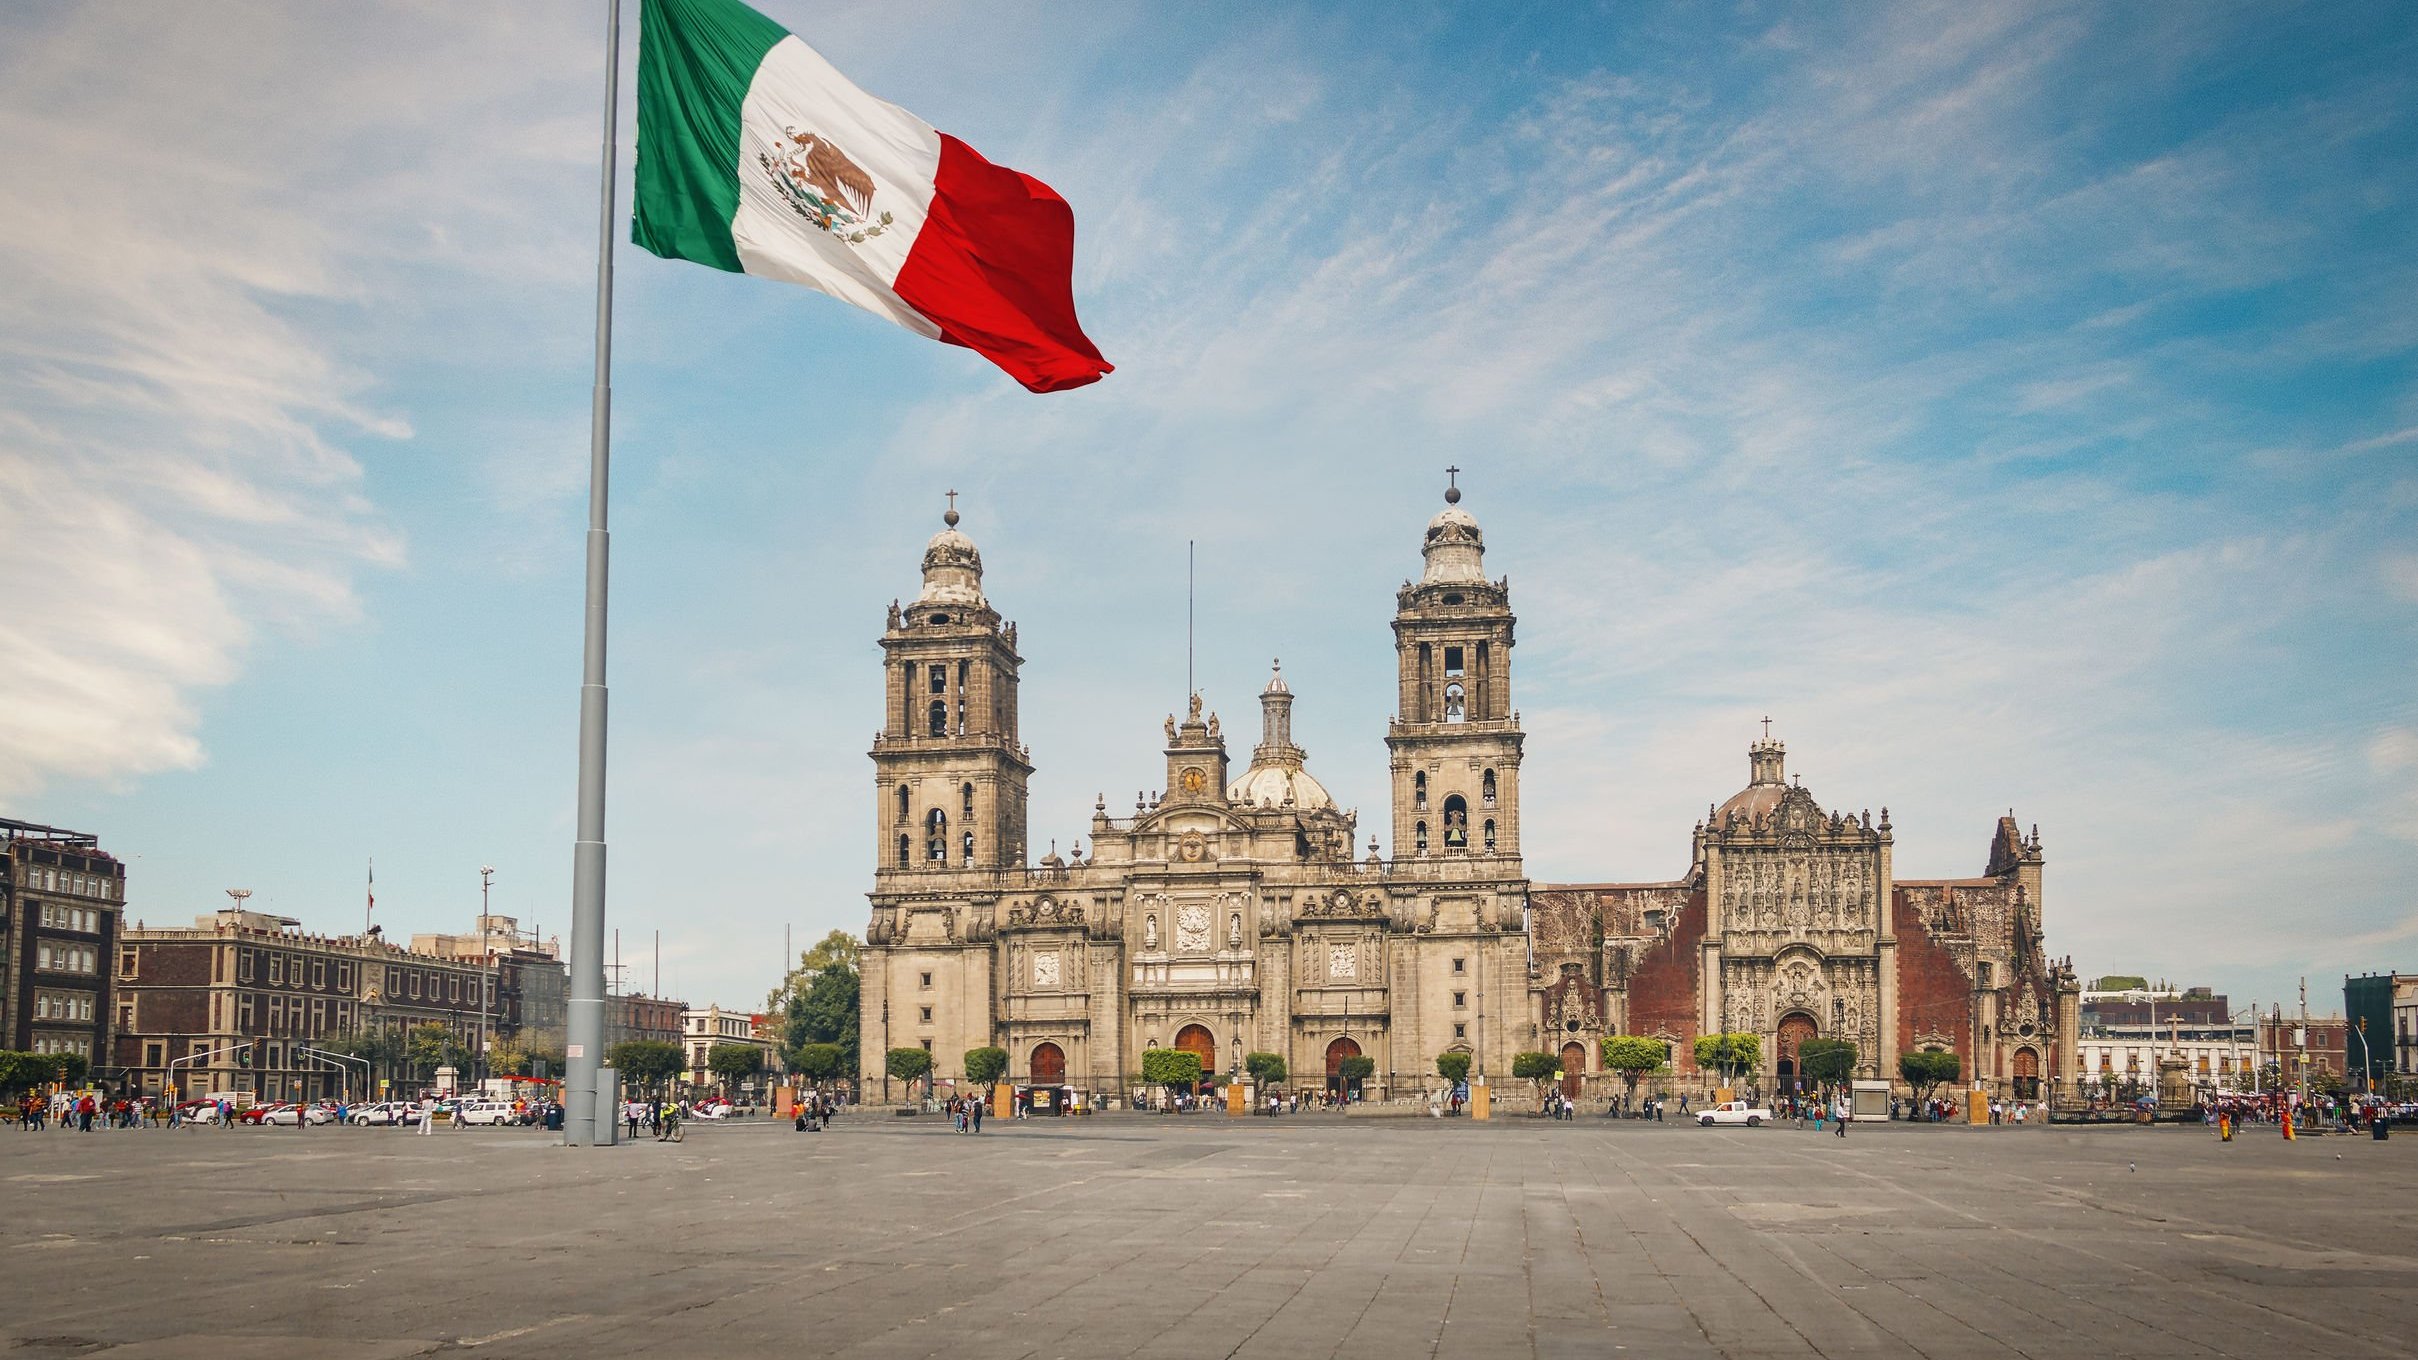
column 1451, row 475
column 952, row 500
column 1767, row 728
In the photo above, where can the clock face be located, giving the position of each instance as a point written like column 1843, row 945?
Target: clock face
column 1045, row 970
column 1192, row 929
column 1193, row 780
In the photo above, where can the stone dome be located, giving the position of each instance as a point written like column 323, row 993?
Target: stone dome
column 1274, row 785
column 1455, row 549
column 1766, row 784
column 952, row 568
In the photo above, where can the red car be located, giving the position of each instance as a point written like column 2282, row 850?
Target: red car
column 257, row 1113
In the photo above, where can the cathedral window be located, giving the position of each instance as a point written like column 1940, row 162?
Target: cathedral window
column 903, row 844
column 969, row 839
column 1452, row 661
column 1490, row 833
column 1419, row 834
column 1486, row 788
column 961, row 715
column 940, row 718
column 1460, row 965
column 968, row 791
column 1455, row 703
column 940, row 678
column 1456, row 823
column 965, row 671
column 902, row 803
column 1460, row 1031
column 1460, row 1000
column 1419, row 790
column 936, row 836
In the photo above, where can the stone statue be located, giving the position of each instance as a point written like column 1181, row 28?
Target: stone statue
column 1150, row 932
column 1234, row 930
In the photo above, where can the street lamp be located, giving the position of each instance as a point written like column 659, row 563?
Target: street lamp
column 487, row 950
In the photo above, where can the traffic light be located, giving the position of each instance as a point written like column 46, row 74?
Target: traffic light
column 243, row 1055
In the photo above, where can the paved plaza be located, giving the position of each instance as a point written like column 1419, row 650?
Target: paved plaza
column 1203, row 1236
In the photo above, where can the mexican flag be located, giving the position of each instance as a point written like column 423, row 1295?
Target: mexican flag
column 756, row 156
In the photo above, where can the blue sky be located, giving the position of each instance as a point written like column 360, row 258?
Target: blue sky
column 2018, row 404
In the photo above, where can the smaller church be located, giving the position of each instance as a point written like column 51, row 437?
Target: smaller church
column 1232, row 912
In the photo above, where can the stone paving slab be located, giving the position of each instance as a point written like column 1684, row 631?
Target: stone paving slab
column 1202, row 1236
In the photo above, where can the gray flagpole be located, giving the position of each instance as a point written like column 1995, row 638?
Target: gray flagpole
column 587, row 1111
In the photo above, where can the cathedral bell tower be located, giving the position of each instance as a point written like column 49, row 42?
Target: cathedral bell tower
column 949, row 773
column 1455, row 739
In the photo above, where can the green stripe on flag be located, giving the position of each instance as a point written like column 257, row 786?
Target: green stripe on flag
column 696, row 59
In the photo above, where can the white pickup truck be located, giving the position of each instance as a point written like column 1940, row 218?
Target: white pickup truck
column 1733, row 1112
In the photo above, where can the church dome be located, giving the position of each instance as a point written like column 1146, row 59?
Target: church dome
column 1455, row 549
column 952, row 568
column 1765, row 787
column 1277, row 785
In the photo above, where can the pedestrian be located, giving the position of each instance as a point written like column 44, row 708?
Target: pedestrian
column 428, row 1117
column 977, row 1113
column 1842, row 1114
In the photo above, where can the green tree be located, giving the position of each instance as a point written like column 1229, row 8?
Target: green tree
column 507, row 1058
column 1633, row 1056
column 1927, row 1069
column 1355, row 1070
column 1826, row 1062
column 1171, row 1067
column 1268, row 1069
column 839, row 949
column 984, row 1066
column 1535, row 1067
column 1731, row 1055
column 429, row 1046
column 734, row 1062
column 819, row 1063
column 646, row 1063
column 907, row 1064
column 70, row 1068
column 1453, row 1067
column 823, row 1010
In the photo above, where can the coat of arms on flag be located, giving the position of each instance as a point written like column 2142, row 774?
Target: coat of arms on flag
column 824, row 186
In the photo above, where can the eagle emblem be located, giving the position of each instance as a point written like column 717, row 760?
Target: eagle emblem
column 823, row 186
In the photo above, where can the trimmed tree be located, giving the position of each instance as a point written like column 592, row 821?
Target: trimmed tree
column 1633, row 1056
column 1453, row 1067
column 1170, row 1067
column 1536, row 1068
column 907, row 1064
column 1826, row 1062
column 819, row 1062
column 1730, row 1055
column 1355, row 1070
column 734, row 1062
column 1267, row 1069
column 984, row 1065
column 646, row 1062
column 1926, row 1070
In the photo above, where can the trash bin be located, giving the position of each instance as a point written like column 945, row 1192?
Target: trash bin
column 2381, row 1128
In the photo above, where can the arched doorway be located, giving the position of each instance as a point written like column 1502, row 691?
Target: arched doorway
column 1795, row 1029
column 1574, row 1069
column 1049, row 1065
column 1336, row 1052
column 1197, row 1039
column 2027, row 1073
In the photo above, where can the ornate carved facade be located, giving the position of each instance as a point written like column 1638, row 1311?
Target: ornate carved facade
column 1227, row 914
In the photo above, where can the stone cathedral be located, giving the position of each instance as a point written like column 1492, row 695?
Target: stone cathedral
column 1228, row 914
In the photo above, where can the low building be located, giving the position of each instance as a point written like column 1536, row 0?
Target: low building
column 246, row 1001
column 703, row 1029
column 2405, row 1024
column 2293, row 1046
column 533, row 989
column 635, row 1015
column 62, row 901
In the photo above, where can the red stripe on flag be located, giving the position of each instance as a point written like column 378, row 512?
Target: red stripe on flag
column 993, row 267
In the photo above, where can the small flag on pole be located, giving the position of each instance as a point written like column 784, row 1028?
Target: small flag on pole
column 755, row 155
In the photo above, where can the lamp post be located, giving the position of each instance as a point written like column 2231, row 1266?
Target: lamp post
column 487, row 977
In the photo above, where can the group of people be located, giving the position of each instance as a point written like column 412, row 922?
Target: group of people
column 82, row 1112
column 965, row 1113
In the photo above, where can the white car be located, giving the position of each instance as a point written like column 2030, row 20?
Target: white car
column 1733, row 1112
column 289, row 1115
column 711, row 1112
column 386, row 1112
column 486, row 1112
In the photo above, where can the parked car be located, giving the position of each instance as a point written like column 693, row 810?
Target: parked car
column 486, row 1112
column 200, row 1111
column 1733, row 1112
column 382, row 1112
column 711, row 1110
column 290, row 1115
column 257, row 1114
